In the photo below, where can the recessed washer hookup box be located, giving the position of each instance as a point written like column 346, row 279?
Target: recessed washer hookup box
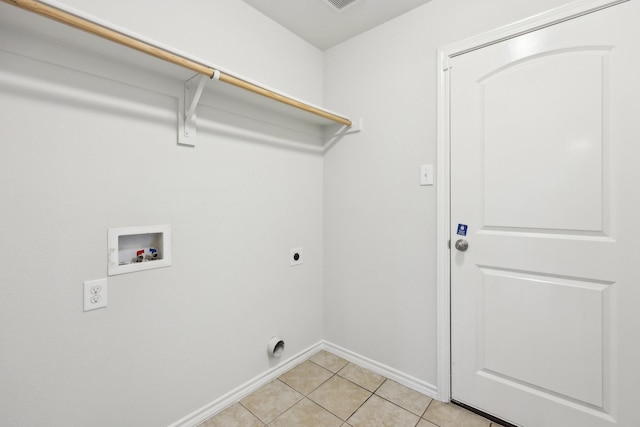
column 138, row 248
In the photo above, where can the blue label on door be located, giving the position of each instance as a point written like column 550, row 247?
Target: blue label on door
column 462, row 229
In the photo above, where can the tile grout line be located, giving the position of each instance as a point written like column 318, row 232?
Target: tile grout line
column 358, row 385
column 358, row 408
column 290, row 408
column 281, row 413
column 404, row 409
column 425, row 413
column 249, row 410
column 335, row 374
column 368, row 398
column 296, row 402
column 320, row 405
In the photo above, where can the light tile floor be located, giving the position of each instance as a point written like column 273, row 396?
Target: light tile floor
column 327, row 390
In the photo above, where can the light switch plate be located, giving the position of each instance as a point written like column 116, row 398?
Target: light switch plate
column 426, row 175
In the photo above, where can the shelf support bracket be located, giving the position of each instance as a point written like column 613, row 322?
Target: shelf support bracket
column 187, row 123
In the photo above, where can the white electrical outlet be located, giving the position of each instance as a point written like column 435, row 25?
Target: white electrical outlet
column 95, row 294
column 295, row 256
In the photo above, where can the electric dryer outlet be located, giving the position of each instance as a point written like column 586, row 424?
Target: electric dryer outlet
column 295, row 256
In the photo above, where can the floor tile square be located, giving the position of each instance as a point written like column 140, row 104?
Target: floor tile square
column 381, row 413
column 449, row 415
column 404, row 397
column 329, row 361
column 271, row 400
column 307, row 413
column 234, row 416
column 362, row 377
column 340, row 396
column 306, row 377
column 425, row 423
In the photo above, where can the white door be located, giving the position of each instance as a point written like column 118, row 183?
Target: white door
column 545, row 161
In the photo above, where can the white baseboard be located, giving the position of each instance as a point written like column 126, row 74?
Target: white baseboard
column 381, row 369
column 209, row 410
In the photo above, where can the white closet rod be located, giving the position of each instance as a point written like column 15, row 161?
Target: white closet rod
column 166, row 55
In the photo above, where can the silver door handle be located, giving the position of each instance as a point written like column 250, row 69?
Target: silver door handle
column 462, row 245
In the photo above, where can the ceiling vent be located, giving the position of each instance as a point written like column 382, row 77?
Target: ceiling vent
column 340, row 5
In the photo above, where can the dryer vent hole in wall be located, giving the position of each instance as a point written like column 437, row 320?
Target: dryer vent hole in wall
column 275, row 346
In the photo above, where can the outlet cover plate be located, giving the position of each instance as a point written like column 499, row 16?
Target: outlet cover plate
column 95, row 294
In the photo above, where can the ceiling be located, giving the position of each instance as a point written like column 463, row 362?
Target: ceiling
column 323, row 25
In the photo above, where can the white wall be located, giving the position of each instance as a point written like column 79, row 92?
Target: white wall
column 92, row 146
column 380, row 229
column 82, row 151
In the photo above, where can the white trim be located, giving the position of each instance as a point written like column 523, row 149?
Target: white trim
column 443, row 270
column 443, row 266
column 545, row 19
column 209, row 410
column 381, row 369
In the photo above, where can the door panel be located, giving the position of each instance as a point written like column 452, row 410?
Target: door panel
column 543, row 161
column 554, row 330
column 560, row 144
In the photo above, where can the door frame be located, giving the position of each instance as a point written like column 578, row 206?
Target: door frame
column 443, row 166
